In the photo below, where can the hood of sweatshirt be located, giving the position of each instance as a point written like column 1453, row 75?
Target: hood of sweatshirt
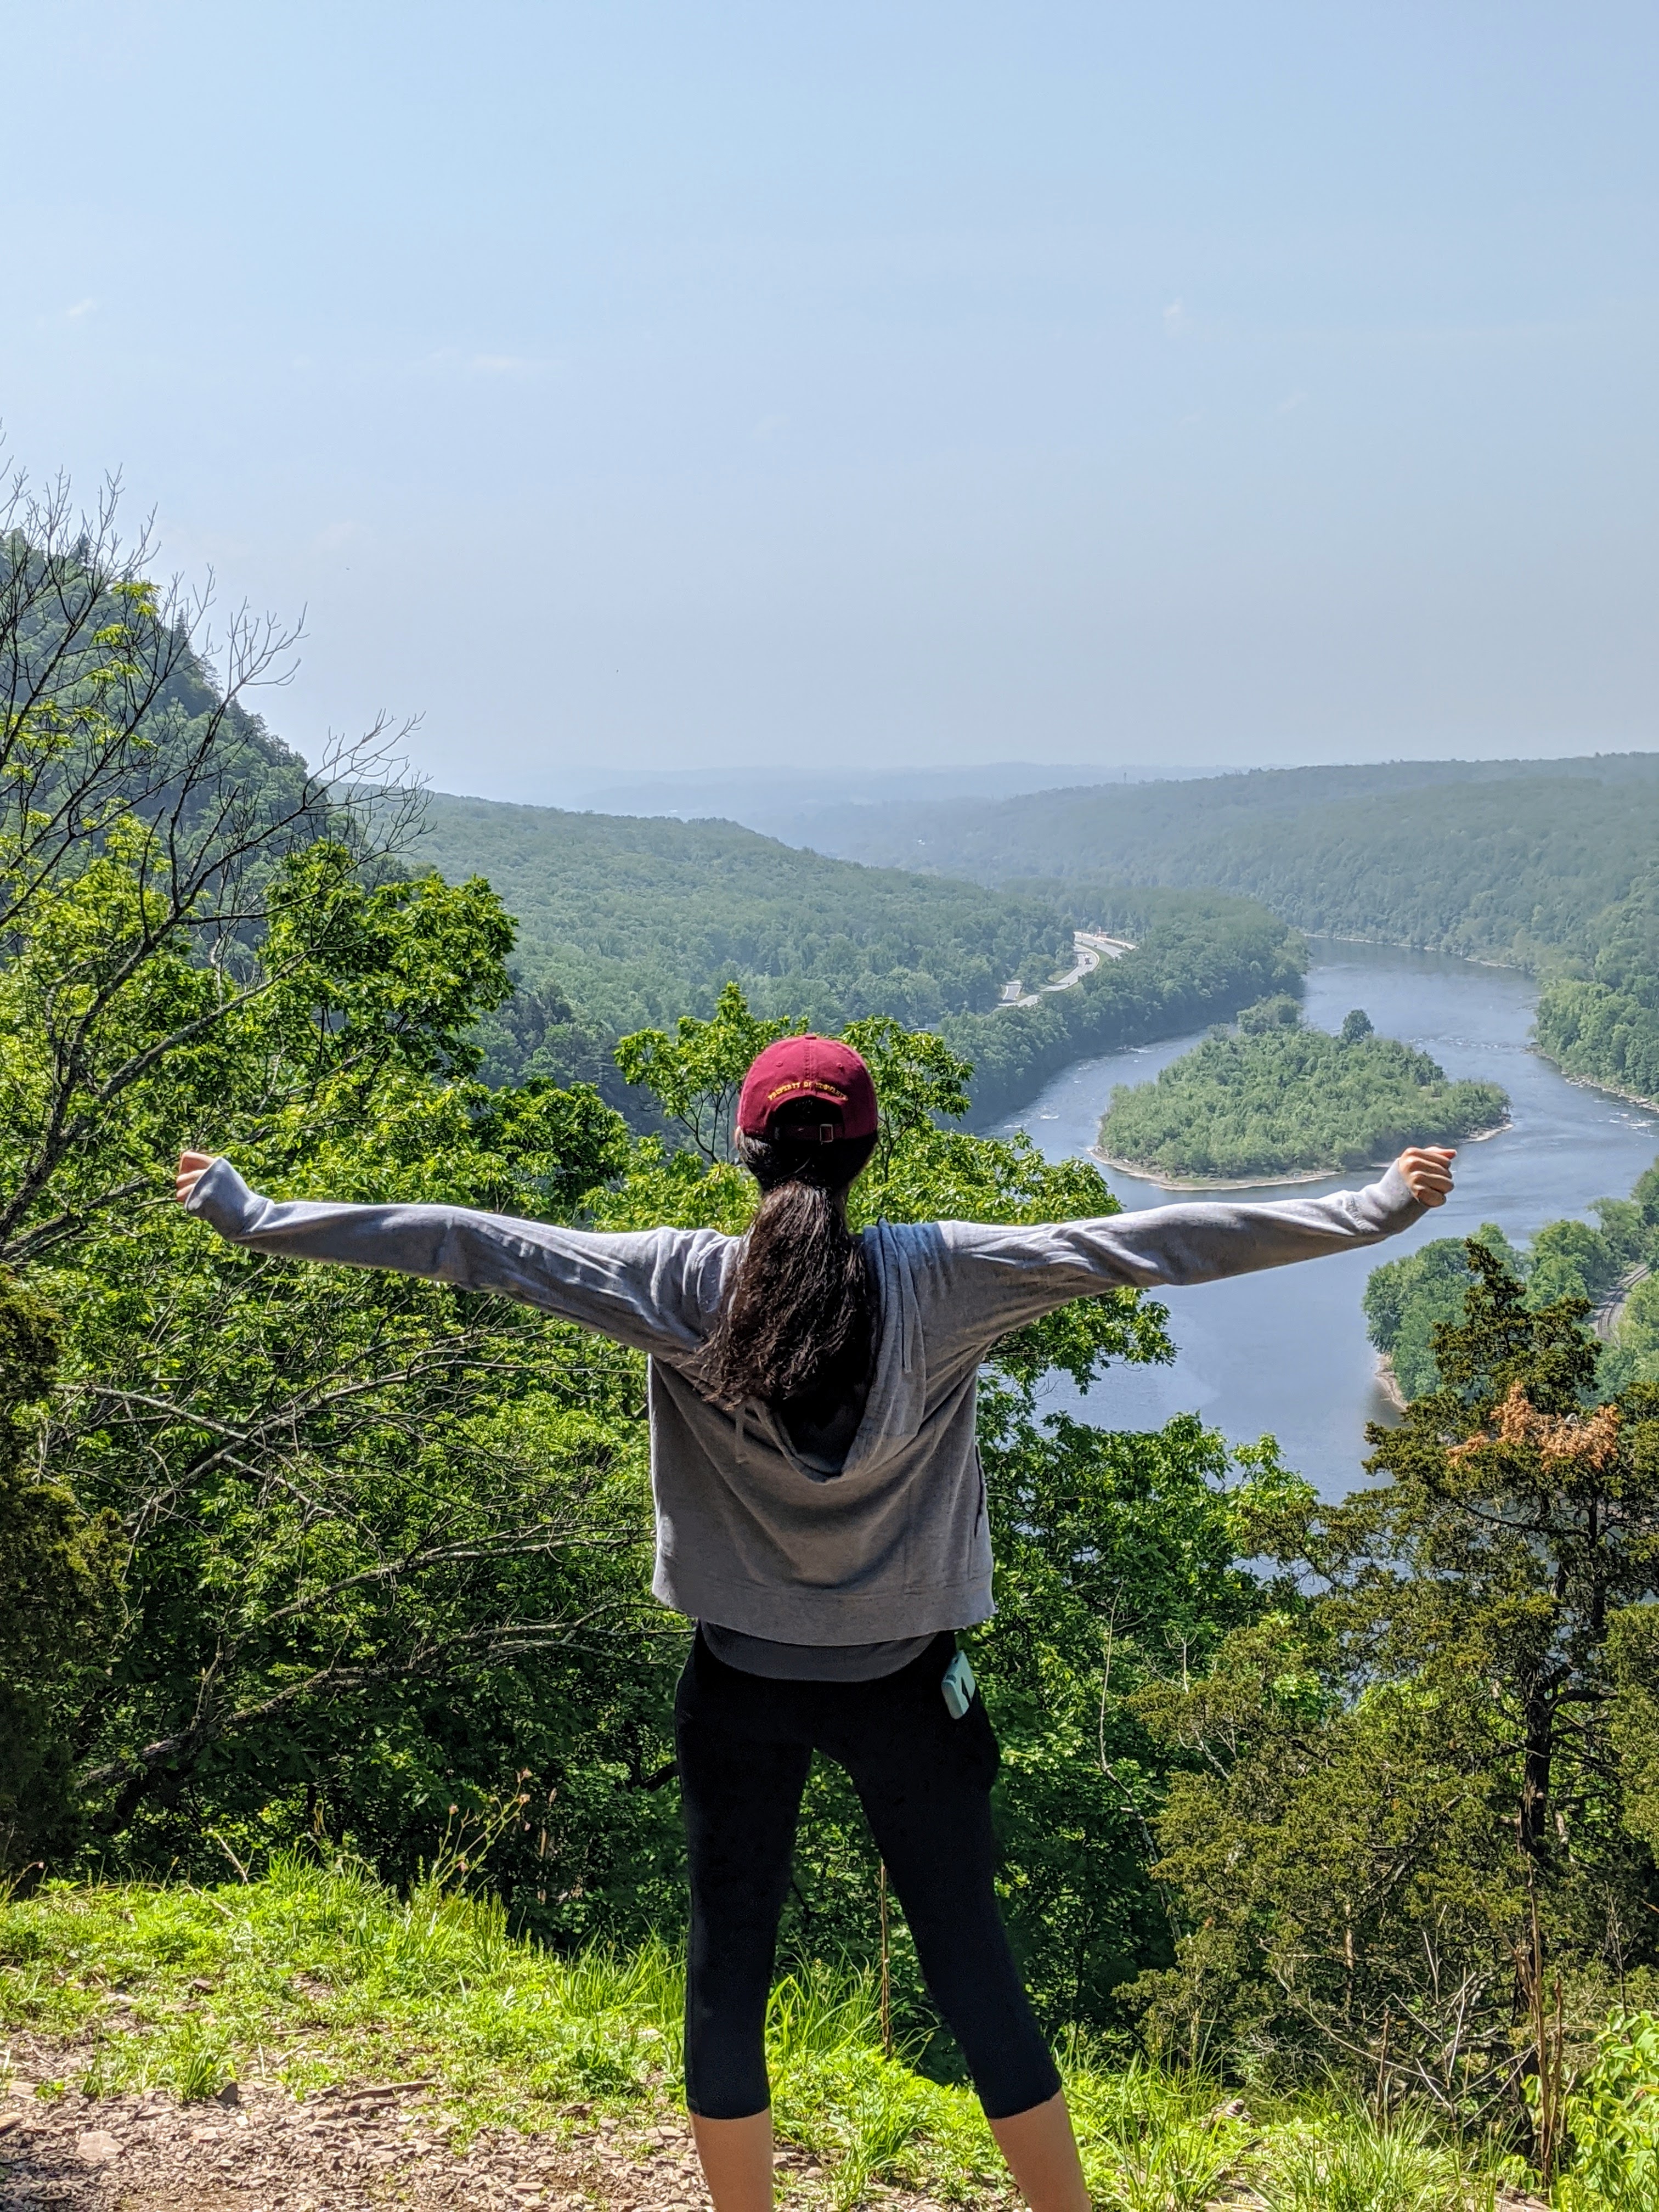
column 895, row 1410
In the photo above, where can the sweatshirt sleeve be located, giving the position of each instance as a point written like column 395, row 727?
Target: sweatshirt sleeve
column 657, row 1290
column 993, row 1279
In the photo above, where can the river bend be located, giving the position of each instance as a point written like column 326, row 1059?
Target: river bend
column 1285, row 1351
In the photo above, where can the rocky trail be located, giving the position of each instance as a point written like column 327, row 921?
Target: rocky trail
column 255, row 2149
column 368, row 2148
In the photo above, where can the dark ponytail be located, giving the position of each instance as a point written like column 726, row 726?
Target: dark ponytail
column 798, row 1324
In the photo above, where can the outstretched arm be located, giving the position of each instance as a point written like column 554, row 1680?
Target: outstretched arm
column 999, row 1279
column 657, row 1290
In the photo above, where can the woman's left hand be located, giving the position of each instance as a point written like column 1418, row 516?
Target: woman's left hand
column 1428, row 1171
column 192, row 1166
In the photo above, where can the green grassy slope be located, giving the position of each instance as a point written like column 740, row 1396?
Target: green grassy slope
column 317, row 1976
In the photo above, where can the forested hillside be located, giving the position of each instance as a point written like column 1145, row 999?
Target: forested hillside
column 1543, row 865
column 1494, row 859
column 639, row 920
column 1598, row 1013
column 623, row 921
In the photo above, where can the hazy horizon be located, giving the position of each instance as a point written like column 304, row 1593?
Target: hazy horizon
column 767, row 800
column 636, row 394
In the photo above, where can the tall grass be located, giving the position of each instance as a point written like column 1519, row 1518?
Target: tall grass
column 1344, row 2163
column 1154, row 2142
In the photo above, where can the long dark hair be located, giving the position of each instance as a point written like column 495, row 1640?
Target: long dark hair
column 797, row 1327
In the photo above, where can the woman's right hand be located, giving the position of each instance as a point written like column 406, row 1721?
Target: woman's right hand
column 192, row 1166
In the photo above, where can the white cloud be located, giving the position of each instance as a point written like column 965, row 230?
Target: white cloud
column 769, row 427
column 1176, row 320
column 450, row 361
column 1289, row 405
column 81, row 308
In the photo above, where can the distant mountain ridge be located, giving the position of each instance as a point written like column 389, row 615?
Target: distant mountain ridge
column 785, row 803
column 1503, row 859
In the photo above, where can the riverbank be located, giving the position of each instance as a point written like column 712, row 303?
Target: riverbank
column 1589, row 1083
column 1389, row 1384
column 1144, row 1171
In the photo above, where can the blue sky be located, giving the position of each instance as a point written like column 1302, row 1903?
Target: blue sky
column 631, row 386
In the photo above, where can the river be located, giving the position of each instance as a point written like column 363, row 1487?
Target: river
column 1285, row 1351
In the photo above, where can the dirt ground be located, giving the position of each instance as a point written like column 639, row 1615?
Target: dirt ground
column 362, row 2150
column 256, row 2149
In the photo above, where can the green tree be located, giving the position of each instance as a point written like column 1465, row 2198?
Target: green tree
column 55, row 1572
column 145, row 816
column 695, row 1075
column 1389, row 1780
column 349, row 1502
column 1280, row 1012
column 1118, row 1563
column 1406, row 1300
column 1633, row 1667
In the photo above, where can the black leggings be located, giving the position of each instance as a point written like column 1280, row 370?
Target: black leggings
column 745, row 1743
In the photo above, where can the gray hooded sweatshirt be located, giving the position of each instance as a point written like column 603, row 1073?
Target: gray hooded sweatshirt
column 893, row 1544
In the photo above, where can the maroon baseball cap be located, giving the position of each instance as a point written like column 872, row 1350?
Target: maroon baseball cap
column 808, row 1067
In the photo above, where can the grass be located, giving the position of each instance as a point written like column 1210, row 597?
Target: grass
column 316, row 1976
column 1349, row 2165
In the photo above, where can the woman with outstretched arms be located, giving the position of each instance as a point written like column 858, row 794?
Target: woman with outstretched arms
column 820, row 1514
